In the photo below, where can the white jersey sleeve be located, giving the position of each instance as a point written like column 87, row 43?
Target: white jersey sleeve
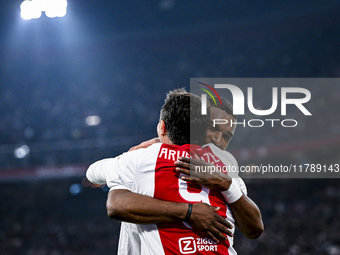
column 98, row 171
column 125, row 167
column 106, row 172
column 242, row 185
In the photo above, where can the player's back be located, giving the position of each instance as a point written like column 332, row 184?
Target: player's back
column 156, row 176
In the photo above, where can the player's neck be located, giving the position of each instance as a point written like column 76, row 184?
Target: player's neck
column 165, row 139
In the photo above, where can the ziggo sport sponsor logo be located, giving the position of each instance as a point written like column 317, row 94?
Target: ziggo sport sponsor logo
column 238, row 105
column 189, row 245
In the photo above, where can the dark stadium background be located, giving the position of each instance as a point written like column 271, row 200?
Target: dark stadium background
column 116, row 60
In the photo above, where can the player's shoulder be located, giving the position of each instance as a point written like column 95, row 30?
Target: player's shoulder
column 139, row 155
column 153, row 147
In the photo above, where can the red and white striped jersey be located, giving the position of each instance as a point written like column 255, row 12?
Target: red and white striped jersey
column 151, row 172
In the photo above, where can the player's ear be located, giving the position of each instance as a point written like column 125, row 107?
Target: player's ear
column 162, row 127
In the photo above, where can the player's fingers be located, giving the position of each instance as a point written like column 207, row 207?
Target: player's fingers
column 188, row 160
column 196, row 161
column 197, row 176
column 182, row 164
column 189, row 166
column 224, row 222
column 216, row 209
column 184, row 159
column 191, row 179
column 212, row 237
column 223, row 229
column 143, row 145
column 218, row 233
column 182, row 171
column 187, row 172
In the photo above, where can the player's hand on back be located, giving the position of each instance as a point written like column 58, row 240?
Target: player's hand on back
column 205, row 220
column 146, row 144
column 203, row 173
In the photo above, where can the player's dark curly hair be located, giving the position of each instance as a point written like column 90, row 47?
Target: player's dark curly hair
column 182, row 116
column 226, row 105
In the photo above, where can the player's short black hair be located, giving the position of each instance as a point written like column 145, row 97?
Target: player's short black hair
column 182, row 116
column 226, row 105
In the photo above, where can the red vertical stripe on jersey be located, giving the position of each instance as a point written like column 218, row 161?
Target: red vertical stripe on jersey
column 177, row 238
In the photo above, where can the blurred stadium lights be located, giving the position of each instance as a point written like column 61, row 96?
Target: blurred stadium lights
column 93, row 120
column 76, row 188
column 32, row 9
column 22, row 151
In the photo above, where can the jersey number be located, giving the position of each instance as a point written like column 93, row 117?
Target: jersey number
column 202, row 196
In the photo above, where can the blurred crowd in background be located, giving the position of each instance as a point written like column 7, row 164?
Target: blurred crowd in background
column 301, row 217
column 125, row 94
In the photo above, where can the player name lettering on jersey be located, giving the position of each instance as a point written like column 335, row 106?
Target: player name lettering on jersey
column 172, row 155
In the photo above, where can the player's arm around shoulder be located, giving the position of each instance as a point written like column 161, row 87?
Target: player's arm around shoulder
column 146, row 144
column 246, row 213
column 124, row 205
